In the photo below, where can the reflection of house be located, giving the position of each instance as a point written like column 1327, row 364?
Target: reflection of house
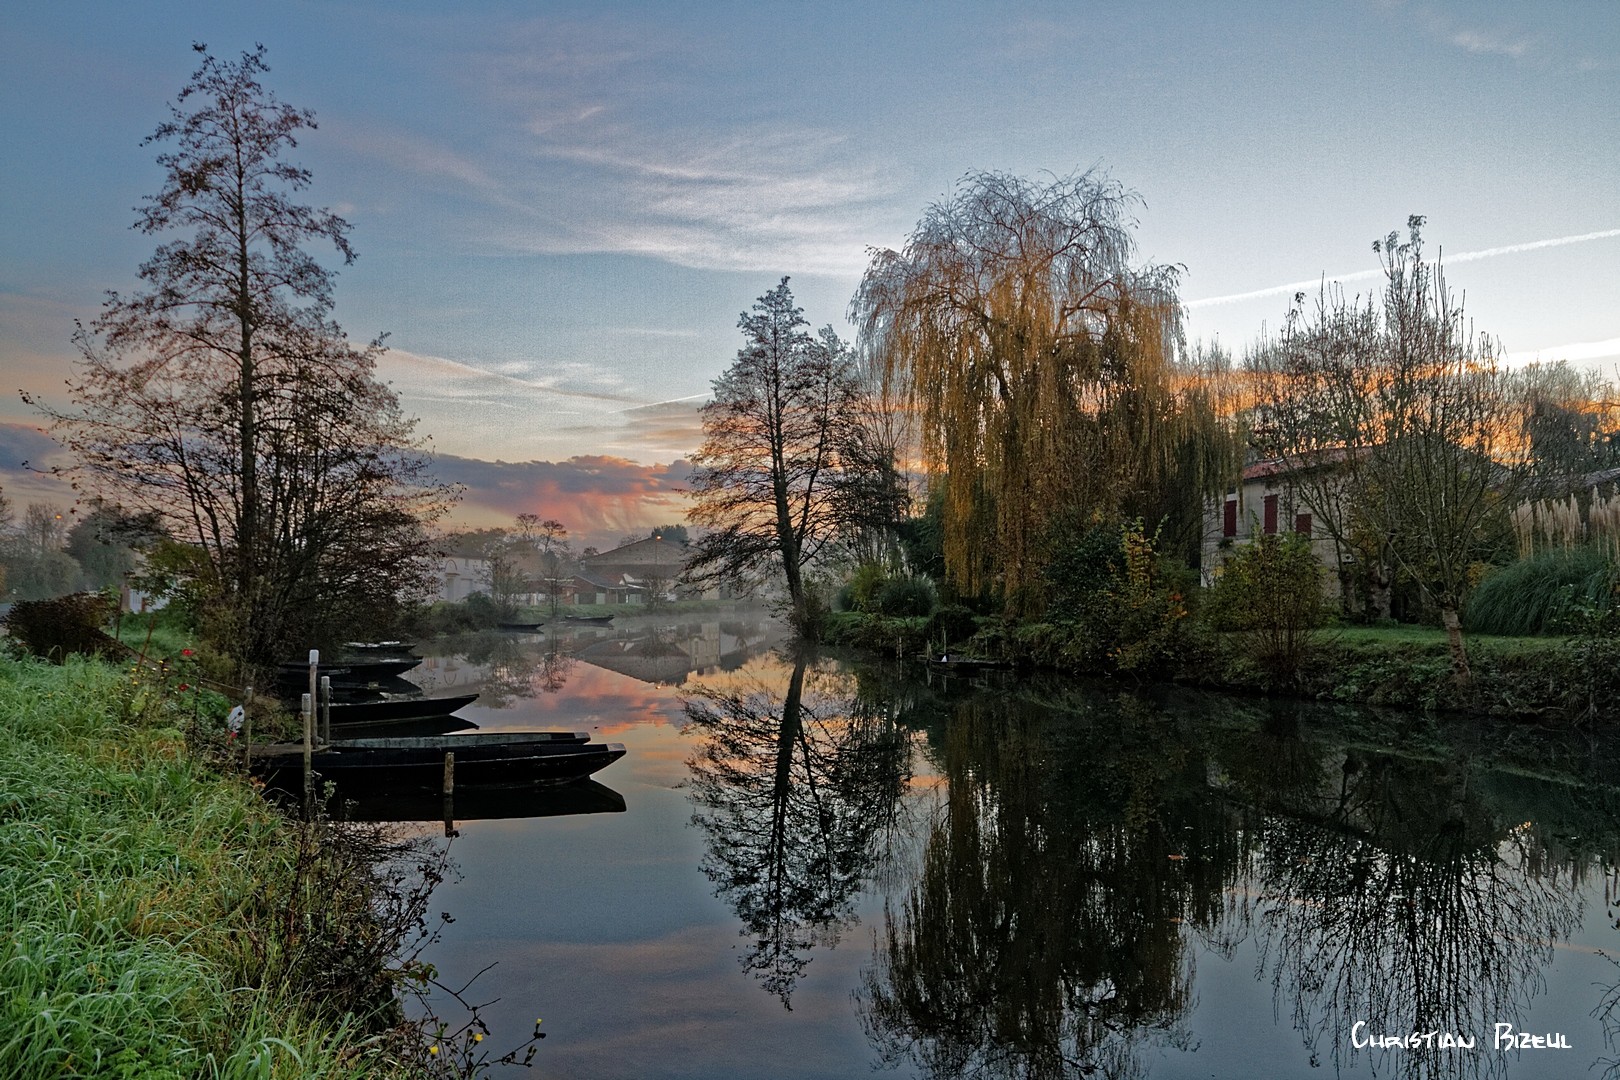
column 668, row 655
column 645, row 567
column 1264, row 503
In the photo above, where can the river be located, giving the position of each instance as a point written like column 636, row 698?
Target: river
column 825, row 866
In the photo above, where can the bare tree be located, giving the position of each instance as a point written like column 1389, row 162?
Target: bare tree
column 223, row 398
column 768, row 469
column 1398, row 426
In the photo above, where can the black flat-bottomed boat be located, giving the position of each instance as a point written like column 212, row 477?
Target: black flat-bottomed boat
column 486, row 759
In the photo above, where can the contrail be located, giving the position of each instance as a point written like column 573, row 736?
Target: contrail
column 1365, row 275
column 1575, row 352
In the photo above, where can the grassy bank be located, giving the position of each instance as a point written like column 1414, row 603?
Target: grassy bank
column 1554, row 679
column 160, row 920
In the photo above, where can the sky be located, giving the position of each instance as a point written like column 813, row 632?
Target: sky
column 561, row 209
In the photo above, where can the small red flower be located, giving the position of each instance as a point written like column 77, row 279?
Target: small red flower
column 185, row 652
column 183, row 686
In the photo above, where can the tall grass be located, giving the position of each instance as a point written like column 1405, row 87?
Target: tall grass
column 1545, row 593
column 132, row 897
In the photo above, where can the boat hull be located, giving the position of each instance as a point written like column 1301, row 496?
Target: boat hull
column 490, row 760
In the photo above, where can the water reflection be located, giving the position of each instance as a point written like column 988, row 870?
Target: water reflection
column 1045, row 936
column 504, row 666
column 1396, row 894
column 1058, row 880
column 796, row 790
column 1087, row 841
column 482, row 804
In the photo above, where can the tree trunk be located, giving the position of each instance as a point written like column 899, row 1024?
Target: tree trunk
column 1454, row 638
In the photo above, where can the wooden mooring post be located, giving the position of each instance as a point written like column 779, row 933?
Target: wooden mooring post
column 326, row 708
column 449, row 793
column 309, row 733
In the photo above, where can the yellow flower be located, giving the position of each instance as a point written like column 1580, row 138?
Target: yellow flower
column 433, row 1049
column 478, row 1036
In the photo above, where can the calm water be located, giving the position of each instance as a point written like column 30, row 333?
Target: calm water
column 822, row 868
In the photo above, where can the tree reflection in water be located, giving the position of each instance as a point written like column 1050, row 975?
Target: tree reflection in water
column 1047, row 935
column 1086, row 843
column 1394, row 894
column 797, row 792
column 515, row 667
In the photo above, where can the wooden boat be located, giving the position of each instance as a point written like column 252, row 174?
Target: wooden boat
column 481, row 804
column 373, row 712
column 486, row 759
column 410, row 726
column 588, row 620
column 954, row 662
column 350, row 671
column 373, row 649
column 524, row 627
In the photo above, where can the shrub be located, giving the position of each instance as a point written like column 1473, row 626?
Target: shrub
column 1550, row 592
column 864, row 587
column 1270, row 591
column 904, row 596
column 64, row 626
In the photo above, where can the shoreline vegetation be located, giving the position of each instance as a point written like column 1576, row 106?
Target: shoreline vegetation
column 1569, row 680
column 164, row 919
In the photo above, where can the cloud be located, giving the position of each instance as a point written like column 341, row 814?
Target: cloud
column 1366, row 275
column 25, row 444
column 1479, row 41
column 26, row 453
column 604, row 139
column 598, row 497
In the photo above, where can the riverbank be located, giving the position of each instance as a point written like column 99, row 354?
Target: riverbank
column 162, row 920
column 1554, row 680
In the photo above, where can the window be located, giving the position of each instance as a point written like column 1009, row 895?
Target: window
column 1229, row 526
column 1302, row 524
column 1271, row 515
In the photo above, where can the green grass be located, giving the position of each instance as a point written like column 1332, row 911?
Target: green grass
column 160, row 634
column 1432, row 639
column 135, row 886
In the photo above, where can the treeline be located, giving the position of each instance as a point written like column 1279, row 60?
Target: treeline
column 1022, row 428
column 47, row 551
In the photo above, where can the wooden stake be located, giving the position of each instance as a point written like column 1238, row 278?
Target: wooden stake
column 450, row 773
column 307, row 708
column 326, row 708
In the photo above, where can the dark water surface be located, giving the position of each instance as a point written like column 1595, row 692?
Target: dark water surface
column 827, row 867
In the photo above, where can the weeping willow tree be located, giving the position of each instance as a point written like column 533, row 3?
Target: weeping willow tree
column 1043, row 371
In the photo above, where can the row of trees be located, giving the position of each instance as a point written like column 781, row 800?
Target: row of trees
column 1014, row 352
column 1040, row 375
column 46, row 551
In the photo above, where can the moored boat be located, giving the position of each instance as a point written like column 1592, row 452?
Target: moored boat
column 486, row 759
column 956, row 662
column 349, row 671
column 375, row 712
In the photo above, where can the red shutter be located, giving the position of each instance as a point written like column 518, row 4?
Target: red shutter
column 1229, row 526
column 1302, row 524
column 1271, row 515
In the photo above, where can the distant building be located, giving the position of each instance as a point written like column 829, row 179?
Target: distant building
column 459, row 576
column 644, row 568
column 1264, row 503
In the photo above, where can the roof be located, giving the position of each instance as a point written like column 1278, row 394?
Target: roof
column 1259, row 470
column 649, row 554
